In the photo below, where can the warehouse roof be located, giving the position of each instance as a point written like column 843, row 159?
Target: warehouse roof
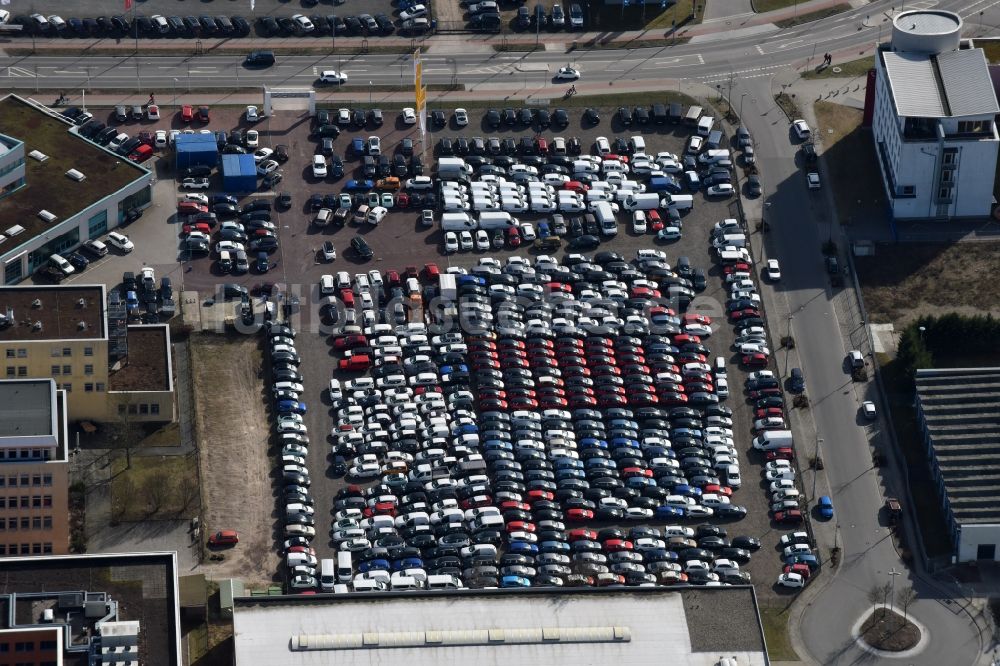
column 574, row 626
column 949, row 84
column 28, row 408
column 961, row 413
column 63, row 312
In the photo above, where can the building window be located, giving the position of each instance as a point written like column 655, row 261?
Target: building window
column 36, row 501
column 67, row 351
column 3, row 524
column 47, row 522
column 24, row 453
column 26, row 549
column 46, row 500
column 88, row 351
column 133, row 410
column 36, row 524
column 22, row 371
column 12, row 272
column 66, row 387
column 56, row 352
column 67, row 369
column 3, row 501
column 36, row 480
column 947, row 176
column 97, row 224
column 3, row 551
column 950, row 157
column 55, row 370
column 46, row 479
column 121, row 410
column 47, row 548
column 10, row 371
column 88, row 388
column 154, row 408
column 24, row 646
column 25, row 501
column 971, row 126
column 47, row 645
column 100, row 387
column 22, row 353
column 11, row 353
column 944, row 193
column 144, row 408
column 88, row 369
column 36, row 453
column 25, row 480
column 25, row 523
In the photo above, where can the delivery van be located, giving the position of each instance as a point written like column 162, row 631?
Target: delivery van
column 773, row 439
column 345, row 568
column 497, row 220
column 705, row 125
column 680, row 201
column 457, row 221
column 327, row 574
column 643, row 201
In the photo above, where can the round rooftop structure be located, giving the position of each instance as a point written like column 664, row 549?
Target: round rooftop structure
column 926, row 31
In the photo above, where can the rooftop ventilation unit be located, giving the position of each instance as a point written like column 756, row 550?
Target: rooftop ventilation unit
column 47, row 216
column 81, row 325
column 81, row 302
column 37, row 326
column 14, row 230
column 76, row 175
column 37, row 303
column 38, row 155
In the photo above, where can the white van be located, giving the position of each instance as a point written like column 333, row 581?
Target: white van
column 451, row 204
column 680, row 201
column 637, row 144
column 368, row 585
column 643, row 201
column 714, row 156
column 406, row 583
column 443, row 582
column 730, row 240
column 345, row 569
column 705, row 125
column 497, row 220
column 327, row 574
column 457, row 222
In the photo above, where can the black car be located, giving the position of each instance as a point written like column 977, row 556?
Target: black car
column 438, row 119
column 492, row 118
column 375, row 116
column 560, row 118
column 543, row 117
column 640, row 115
column 358, row 117
column 280, row 154
column 399, row 165
column 523, row 19
column 587, row 242
column 283, row 200
column 77, row 261
column 384, row 166
column 509, row 117
column 625, row 116
column 336, row 166
column 361, row 247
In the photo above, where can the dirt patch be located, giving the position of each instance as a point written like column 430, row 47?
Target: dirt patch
column 813, row 16
column 167, row 435
column 154, row 488
column 850, row 162
column 888, row 630
column 788, row 105
column 848, row 70
column 231, row 431
column 901, row 283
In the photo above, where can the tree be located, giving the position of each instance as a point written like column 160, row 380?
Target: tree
column 126, row 424
column 885, row 592
column 158, row 489
column 874, row 596
column 904, row 598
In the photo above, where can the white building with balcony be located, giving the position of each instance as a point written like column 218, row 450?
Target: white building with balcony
column 934, row 120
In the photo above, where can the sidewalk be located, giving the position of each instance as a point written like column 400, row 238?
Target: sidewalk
column 457, row 41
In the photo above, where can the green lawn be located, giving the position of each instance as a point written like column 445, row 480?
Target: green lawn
column 775, row 621
column 761, row 6
column 154, row 488
column 849, row 69
column 680, row 15
column 812, row 16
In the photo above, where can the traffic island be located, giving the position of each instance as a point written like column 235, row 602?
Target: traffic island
column 888, row 631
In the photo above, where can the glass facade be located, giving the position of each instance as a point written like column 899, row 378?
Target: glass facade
column 97, row 225
column 67, row 241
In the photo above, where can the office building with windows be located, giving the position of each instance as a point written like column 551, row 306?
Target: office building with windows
column 70, row 334
column 933, row 122
column 57, row 189
column 34, row 469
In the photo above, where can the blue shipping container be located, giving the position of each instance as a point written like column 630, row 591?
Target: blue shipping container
column 196, row 150
column 239, row 173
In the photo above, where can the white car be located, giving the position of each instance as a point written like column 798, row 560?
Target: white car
column 639, row 222
column 812, row 180
column 120, row 242
column 270, row 166
column 801, row 128
column 377, row 214
column 603, row 145
column 413, row 12
column 465, row 240
column 252, row 138
column 720, row 190
column 791, row 580
column 160, row 139
column 252, row 114
column 4, row 16
column 450, row 242
column 567, row 74
column 332, row 76
column 262, row 154
column 694, row 145
column 773, row 270
column 868, row 407
column 669, row 234
column 153, row 112
column 409, row 116
column 303, row 23
column 461, row 117
column 318, row 166
column 527, row 232
column 482, row 240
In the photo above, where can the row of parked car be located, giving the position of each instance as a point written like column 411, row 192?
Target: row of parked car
column 240, row 229
column 546, row 410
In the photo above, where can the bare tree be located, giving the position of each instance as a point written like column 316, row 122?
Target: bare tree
column 157, row 490
column 885, row 594
column 874, row 596
column 904, row 598
column 126, row 424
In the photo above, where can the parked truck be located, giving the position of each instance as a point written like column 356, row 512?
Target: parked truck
column 447, row 287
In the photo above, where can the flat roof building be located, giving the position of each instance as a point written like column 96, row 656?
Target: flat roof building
column 959, row 412
column 654, row 625
column 57, row 189
column 34, row 468
column 82, row 610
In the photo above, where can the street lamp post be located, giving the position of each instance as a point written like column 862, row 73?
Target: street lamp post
column 741, row 107
column 369, row 93
column 175, row 93
column 819, row 440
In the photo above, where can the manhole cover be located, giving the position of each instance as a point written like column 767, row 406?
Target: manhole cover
column 837, row 70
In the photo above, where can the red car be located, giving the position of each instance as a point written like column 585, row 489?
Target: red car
column 615, row 545
column 431, row 271
column 513, row 237
column 576, row 186
column 520, row 526
column 754, row 360
column 198, row 226
column 579, row 515
column 636, row 471
column 187, row 113
column 769, row 411
column 511, row 504
column 581, row 533
column 535, row 495
column 697, row 319
column 350, row 342
column 717, row 489
column 347, row 296
column 784, row 453
column 790, row 517
column 737, row 315
column 552, row 402
column 392, row 279
column 384, row 509
column 203, row 115
column 355, row 363
column 801, row 569
column 224, row 538
column 738, row 267
column 685, row 338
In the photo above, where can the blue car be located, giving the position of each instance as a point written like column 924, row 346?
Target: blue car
column 514, row 581
column 667, row 512
column 449, row 369
column 358, row 145
column 408, row 563
column 543, row 230
column 809, row 560
column 522, row 548
column 825, row 506
column 131, row 302
column 690, row 491
column 374, row 565
column 291, row 406
column 470, row 279
column 359, row 185
column 593, row 443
